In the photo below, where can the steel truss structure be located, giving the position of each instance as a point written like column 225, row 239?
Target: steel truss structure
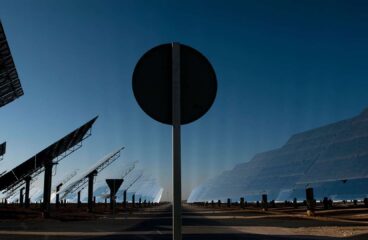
column 13, row 180
column 80, row 184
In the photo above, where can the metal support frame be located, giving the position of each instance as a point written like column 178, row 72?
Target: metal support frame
column 21, row 195
column 310, row 201
column 130, row 185
column 242, row 202
column 176, row 111
column 36, row 172
column 27, row 198
column 2, row 145
column 264, row 202
column 73, row 149
column 125, row 199
column 81, row 184
column 11, row 189
column 91, row 177
column 129, row 170
column 57, row 201
column 79, row 203
column 112, row 202
column 47, row 188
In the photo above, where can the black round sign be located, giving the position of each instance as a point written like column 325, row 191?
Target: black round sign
column 152, row 83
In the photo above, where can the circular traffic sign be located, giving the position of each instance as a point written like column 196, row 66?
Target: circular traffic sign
column 152, row 84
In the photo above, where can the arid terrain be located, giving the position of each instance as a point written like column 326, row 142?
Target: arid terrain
column 199, row 222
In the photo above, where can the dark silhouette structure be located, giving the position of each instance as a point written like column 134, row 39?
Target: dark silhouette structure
column 43, row 162
column 79, row 184
column 10, row 87
column 114, row 185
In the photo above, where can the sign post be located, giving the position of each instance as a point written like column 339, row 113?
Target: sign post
column 174, row 84
column 114, row 185
column 176, row 141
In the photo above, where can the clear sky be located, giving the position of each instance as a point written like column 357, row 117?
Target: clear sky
column 282, row 67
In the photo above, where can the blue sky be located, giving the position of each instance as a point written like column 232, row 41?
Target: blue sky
column 282, row 67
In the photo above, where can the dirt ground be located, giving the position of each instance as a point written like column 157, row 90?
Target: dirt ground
column 199, row 222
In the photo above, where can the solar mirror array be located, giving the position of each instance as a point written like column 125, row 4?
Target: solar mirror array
column 20, row 178
column 330, row 159
column 43, row 162
column 88, row 177
column 10, row 87
column 2, row 150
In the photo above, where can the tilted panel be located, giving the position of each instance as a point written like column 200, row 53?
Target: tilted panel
column 2, row 148
column 36, row 163
column 10, row 87
column 80, row 183
column 326, row 157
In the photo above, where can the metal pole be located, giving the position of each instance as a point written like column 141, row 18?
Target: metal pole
column 111, row 200
column 21, row 196
column 26, row 198
column 125, row 199
column 176, row 110
column 79, row 203
column 57, row 201
column 47, row 188
column 90, row 190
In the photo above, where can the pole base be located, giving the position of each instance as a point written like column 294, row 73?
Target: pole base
column 311, row 213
